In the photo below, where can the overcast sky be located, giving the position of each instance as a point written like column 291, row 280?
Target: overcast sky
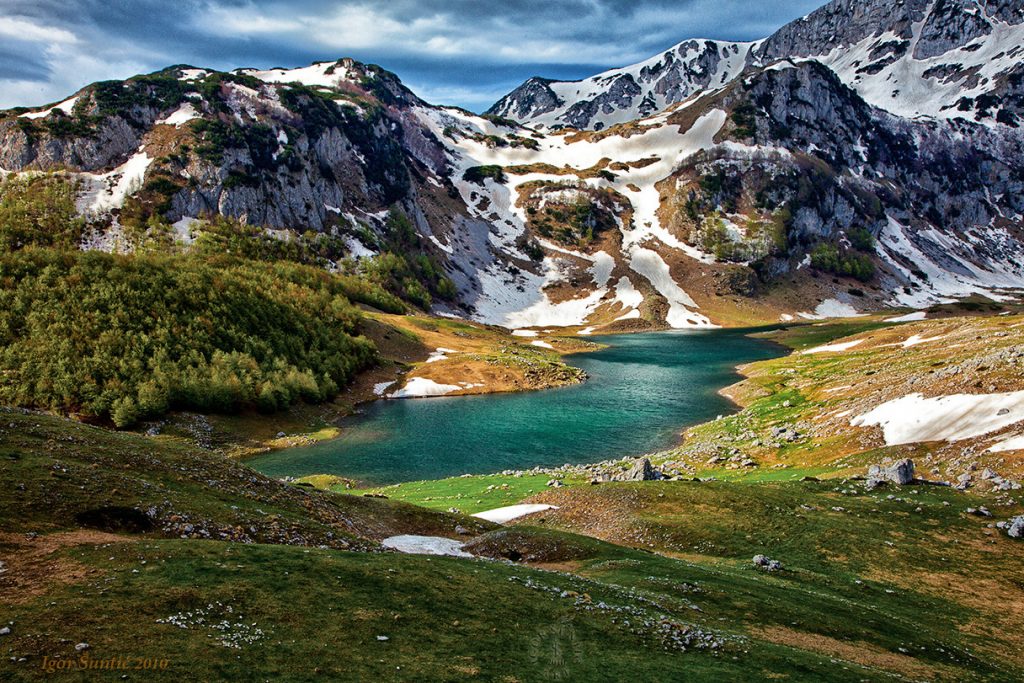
column 463, row 52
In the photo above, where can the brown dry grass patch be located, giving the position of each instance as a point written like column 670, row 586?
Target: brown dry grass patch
column 999, row 624
column 859, row 652
column 32, row 566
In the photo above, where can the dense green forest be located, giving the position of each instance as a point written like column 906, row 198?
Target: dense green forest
column 127, row 337
column 238, row 319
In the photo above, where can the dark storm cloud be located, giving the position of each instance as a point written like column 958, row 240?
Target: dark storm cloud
column 18, row 63
column 465, row 52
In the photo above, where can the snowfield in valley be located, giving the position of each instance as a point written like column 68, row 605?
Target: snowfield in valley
column 916, row 419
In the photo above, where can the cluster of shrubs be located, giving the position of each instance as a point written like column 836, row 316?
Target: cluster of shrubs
column 830, row 258
column 575, row 222
column 479, row 174
column 760, row 238
column 405, row 268
column 38, row 210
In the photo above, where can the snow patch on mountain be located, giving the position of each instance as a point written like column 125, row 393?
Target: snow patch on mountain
column 943, row 266
column 66, row 106
column 108, row 191
column 182, row 115
column 323, row 74
column 649, row 264
column 915, row 419
column 518, row 299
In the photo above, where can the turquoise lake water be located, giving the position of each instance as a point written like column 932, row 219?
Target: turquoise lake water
column 643, row 390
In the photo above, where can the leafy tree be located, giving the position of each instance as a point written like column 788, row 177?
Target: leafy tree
column 827, row 257
column 861, row 239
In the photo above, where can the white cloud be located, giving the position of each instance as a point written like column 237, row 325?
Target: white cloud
column 20, row 29
column 73, row 65
column 364, row 27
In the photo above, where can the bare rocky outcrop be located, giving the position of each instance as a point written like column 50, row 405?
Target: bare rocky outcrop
column 1015, row 527
column 900, row 473
column 642, row 470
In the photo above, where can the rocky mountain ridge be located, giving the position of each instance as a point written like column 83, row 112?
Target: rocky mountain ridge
column 939, row 59
column 736, row 193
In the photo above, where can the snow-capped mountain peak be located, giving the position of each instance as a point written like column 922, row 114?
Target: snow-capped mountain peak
column 629, row 93
column 941, row 59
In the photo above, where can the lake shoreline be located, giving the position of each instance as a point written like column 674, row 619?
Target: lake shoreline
column 361, row 392
column 668, row 436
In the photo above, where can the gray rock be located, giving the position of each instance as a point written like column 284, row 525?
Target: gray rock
column 1015, row 528
column 767, row 564
column 641, row 471
column 901, row 472
column 81, row 647
column 6, row 630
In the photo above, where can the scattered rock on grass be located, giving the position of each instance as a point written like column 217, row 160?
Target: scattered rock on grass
column 763, row 562
column 1015, row 527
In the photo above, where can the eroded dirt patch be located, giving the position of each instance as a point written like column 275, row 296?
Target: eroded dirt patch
column 32, row 565
column 864, row 654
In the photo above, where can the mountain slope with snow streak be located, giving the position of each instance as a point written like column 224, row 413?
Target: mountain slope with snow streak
column 499, row 203
column 917, row 58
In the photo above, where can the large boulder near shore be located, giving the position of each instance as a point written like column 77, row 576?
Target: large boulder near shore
column 642, row 470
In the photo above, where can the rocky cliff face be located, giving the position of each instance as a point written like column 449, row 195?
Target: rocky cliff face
column 939, row 198
column 281, row 149
column 941, row 59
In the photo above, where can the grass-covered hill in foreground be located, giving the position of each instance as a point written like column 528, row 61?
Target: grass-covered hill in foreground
column 862, row 595
column 141, row 547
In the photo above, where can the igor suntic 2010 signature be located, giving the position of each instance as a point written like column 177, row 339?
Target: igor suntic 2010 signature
column 87, row 662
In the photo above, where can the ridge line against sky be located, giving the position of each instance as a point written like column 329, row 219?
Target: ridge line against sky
column 460, row 52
